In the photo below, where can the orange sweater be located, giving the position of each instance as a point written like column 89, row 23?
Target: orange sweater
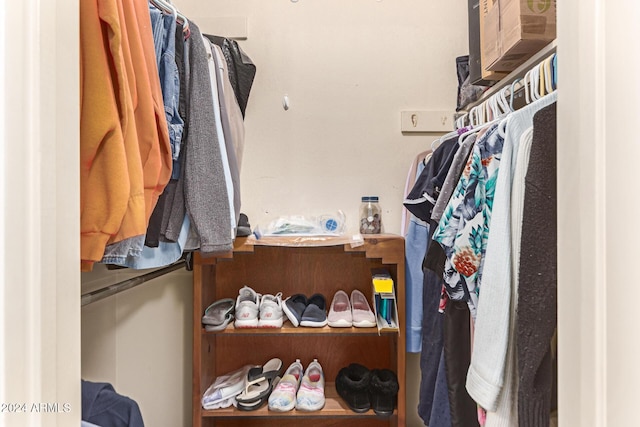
column 121, row 110
column 151, row 124
column 107, row 128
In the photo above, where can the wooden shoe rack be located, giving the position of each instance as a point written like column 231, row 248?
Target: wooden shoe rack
column 290, row 270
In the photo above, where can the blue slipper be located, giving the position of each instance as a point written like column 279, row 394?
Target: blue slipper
column 293, row 307
column 315, row 315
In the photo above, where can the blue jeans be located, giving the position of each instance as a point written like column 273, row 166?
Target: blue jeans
column 164, row 40
column 415, row 248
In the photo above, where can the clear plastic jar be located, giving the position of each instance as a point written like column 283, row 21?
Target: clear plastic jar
column 370, row 215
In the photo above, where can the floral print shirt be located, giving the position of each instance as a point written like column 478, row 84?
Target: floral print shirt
column 464, row 227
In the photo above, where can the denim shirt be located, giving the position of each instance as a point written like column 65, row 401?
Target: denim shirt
column 164, row 38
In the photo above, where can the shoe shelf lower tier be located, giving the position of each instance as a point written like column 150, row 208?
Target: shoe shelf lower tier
column 293, row 270
column 334, row 407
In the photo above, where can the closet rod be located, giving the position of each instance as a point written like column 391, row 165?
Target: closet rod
column 116, row 288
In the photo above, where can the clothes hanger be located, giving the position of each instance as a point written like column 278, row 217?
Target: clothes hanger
column 512, row 92
column 526, row 87
column 535, row 83
column 502, row 101
column 169, row 8
column 548, row 71
column 555, row 70
column 492, row 108
column 482, row 113
column 165, row 7
column 474, row 117
column 185, row 21
column 541, row 82
column 435, row 144
column 478, row 121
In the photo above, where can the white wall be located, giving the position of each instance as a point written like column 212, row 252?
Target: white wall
column 348, row 68
column 140, row 341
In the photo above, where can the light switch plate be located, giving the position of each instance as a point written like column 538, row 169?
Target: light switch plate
column 426, row 121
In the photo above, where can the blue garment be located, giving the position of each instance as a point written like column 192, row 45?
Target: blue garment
column 415, row 248
column 101, row 405
column 165, row 254
column 441, row 410
column 164, row 40
column 432, row 345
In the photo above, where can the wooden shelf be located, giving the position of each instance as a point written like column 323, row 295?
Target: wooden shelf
column 297, row 269
column 519, row 72
column 334, row 407
column 289, row 329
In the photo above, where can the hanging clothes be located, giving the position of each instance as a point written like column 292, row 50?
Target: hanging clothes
column 415, row 238
column 537, row 296
column 505, row 412
column 152, row 183
column 475, row 249
column 435, row 256
column 205, row 189
column 165, row 28
column 241, row 69
column 419, row 202
column 232, row 124
column 150, row 122
column 492, row 328
column 230, row 176
column 464, row 227
column 168, row 36
column 106, row 130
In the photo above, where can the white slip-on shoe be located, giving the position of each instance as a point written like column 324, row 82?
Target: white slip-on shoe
column 340, row 311
column 283, row 396
column 363, row 317
column 310, row 395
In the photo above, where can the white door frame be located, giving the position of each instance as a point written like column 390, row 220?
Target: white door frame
column 598, row 111
column 39, row 219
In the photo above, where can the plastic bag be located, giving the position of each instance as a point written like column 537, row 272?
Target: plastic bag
column 299, row 225
column 225, row 388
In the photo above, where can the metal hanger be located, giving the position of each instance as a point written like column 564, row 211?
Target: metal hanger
column 169, row 8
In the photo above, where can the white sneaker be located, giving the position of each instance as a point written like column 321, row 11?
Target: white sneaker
column 247, row 308
column 271, row 311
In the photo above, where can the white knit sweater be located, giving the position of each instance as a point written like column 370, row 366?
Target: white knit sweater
column 506, row 412
column 486, row 375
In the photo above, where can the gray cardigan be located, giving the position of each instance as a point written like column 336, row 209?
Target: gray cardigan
column 205, row 190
